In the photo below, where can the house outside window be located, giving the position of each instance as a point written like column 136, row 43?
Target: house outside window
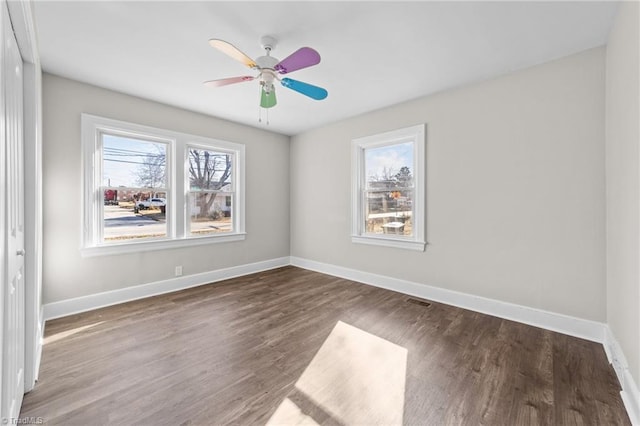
column 147, row 188
column 211, row 190
column 388, row 189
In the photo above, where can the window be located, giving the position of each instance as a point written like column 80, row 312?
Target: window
column 211, row 189
column 148, row 188
column 134, row 174
column 388, row 189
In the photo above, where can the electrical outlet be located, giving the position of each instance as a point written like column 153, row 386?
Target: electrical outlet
column 178, row 271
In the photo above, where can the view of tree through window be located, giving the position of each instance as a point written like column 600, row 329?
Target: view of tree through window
column 389, row 189
column 134, row 184
column 134, row 174
column 211, row 191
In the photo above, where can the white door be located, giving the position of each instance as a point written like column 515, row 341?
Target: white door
column 13, row 315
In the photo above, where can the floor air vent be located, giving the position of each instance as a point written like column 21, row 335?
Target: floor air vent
column 418, row 302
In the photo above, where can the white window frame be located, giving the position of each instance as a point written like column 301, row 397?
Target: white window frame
column 415, row 134
column 177, row 185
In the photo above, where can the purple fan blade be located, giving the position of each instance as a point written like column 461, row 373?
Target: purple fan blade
column 301, row 58
column 225, row 81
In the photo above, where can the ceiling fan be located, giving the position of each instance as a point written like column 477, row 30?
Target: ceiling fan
column 270, row 69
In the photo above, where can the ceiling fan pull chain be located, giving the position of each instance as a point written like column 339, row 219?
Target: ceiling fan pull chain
column 267, row 116
column 259, row 107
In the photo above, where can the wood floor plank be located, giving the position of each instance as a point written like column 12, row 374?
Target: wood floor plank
column 581, row 384
column 244, row 352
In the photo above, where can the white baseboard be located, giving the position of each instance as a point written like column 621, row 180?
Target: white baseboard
column 34, row 351
column 630, row 393
column 39, row 343
column 585, row 329
column 100, row 300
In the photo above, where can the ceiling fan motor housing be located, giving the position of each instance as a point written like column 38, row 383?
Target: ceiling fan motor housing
column 267, row 77
column 267, row 62
column 268, row 43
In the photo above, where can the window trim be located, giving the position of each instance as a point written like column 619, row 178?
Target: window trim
column 92, row 127
column 416, row 134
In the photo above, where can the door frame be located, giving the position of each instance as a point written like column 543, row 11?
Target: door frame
column 23, row 22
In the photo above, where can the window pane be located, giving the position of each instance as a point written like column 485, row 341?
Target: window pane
column 133, row 162
column 209, row 170
column 125, row 219
column 129, row 163
column 389, row 180
column 389, row 212
column 210, row 213
column 389, row 167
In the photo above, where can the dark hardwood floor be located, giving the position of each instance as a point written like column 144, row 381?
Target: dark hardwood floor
column 291, row 346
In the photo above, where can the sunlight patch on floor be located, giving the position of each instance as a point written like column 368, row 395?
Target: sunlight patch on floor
column 64, row 334
column 288, row 413
column 355, row 378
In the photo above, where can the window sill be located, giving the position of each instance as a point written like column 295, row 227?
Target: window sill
column 389, row 242
column 135, row 247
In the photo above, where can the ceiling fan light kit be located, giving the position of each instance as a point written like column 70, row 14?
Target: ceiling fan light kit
column 270, row 69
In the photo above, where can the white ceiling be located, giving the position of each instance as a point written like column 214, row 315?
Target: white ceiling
column 374, row 54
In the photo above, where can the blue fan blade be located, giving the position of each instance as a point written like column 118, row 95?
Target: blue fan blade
column 314, row 92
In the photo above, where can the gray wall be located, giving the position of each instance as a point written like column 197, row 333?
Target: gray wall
column 515, row 189
column 623, row 183
column 67, row 275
